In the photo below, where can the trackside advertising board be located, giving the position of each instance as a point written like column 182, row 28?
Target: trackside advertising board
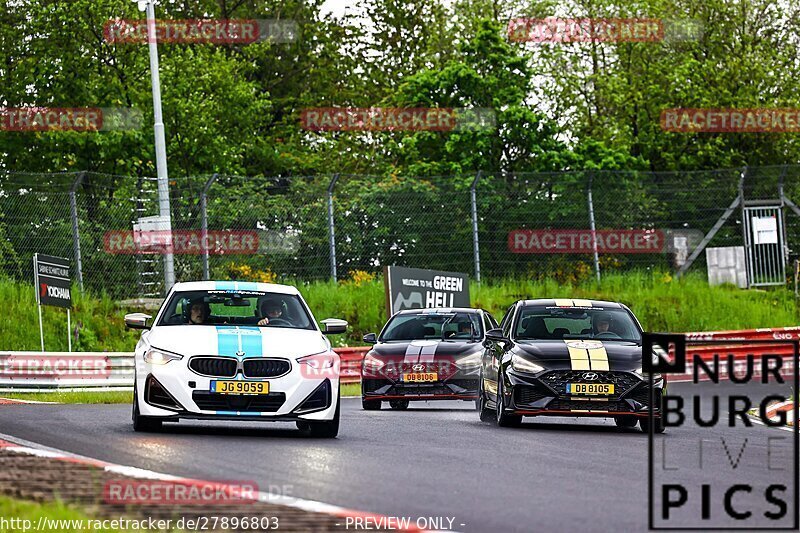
column 416, row 288
column 52, row 281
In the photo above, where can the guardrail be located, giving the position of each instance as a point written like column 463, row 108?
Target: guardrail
column 34, row 371
column 50, row 371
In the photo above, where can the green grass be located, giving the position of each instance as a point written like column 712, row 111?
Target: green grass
column 72, row 397
column 347, row 389
column 99, row 324
column 31, row 511
column 662, row 303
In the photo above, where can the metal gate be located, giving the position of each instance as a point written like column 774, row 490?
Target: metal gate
column 764, row 241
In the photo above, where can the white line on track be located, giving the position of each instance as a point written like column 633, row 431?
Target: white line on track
column 32, row 448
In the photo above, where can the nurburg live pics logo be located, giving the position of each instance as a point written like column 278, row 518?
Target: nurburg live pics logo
column 726, row 471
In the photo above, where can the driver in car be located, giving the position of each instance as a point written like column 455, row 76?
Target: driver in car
column 271, row 310
column 602, row 324
column 199, row 311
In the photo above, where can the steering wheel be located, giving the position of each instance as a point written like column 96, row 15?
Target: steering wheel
column 607, row 335
column 279, row 322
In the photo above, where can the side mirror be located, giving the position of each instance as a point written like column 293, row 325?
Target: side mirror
column 137, row 320
column 333, row 326
column 370, row 338
column 496, row 335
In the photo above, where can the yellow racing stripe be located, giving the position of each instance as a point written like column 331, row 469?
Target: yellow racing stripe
column 578, row 357
column 587, row 355
column 563, row 302
column 582, row 303
column 598, row 358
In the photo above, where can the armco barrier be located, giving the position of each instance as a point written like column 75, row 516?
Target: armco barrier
column 19, row 371
column 762, row 334
column 34, row 371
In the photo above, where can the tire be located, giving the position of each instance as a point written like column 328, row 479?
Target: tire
column 399, row 405
column 625, row 421
column 504, row 420
column 658, row 421
column 658, row 427
column 143, row 424
column 485, row 414
column 326, row 429
column 370, row 405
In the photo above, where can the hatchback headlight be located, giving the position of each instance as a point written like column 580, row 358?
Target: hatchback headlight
column 156, row 356
column 372, row 362
column 469, row 362
column 520, row 364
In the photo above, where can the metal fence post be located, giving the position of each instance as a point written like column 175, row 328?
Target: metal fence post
column 204, row 223
column 76, row 238
column 331, row 227
column 475, row 241
column 592, row 226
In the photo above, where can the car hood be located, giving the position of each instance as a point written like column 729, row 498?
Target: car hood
column 558, row 354
column 424, row 349
column 228, row 340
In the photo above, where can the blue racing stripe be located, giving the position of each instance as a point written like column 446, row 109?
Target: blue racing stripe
column 251, row 341
column 225, row 285
column 227, row 340
column 247, row 286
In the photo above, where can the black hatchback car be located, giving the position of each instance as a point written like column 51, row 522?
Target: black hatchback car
column 566, row 357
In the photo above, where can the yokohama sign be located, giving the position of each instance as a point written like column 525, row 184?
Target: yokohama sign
column 579, row 241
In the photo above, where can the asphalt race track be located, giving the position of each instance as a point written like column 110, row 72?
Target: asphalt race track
column 432, row 460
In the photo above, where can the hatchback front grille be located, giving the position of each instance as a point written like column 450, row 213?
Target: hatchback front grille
column 558, row 379
column 220, row 367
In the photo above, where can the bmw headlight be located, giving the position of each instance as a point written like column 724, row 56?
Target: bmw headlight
column 156, row 356
column 469, row 362
column 520, row 364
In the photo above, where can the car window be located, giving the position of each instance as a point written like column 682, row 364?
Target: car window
column 426, row 325
column 251, row 308
column 544, row 322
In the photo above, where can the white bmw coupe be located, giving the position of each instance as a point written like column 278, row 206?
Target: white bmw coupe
column 232, row 350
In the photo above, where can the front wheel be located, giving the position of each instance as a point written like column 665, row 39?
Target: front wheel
column 485, row 414
column 143, row 424
column 625, row 421
column 504, row 420
column 370, row 405
column 323, row 429
column 658, row 425
column 399, row 405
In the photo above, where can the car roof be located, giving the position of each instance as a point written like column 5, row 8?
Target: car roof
column 234, row 286
column 570, row 302
column 435, row 310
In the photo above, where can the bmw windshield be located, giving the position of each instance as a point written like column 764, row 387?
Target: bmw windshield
column 548, row 323
column 243, row 308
